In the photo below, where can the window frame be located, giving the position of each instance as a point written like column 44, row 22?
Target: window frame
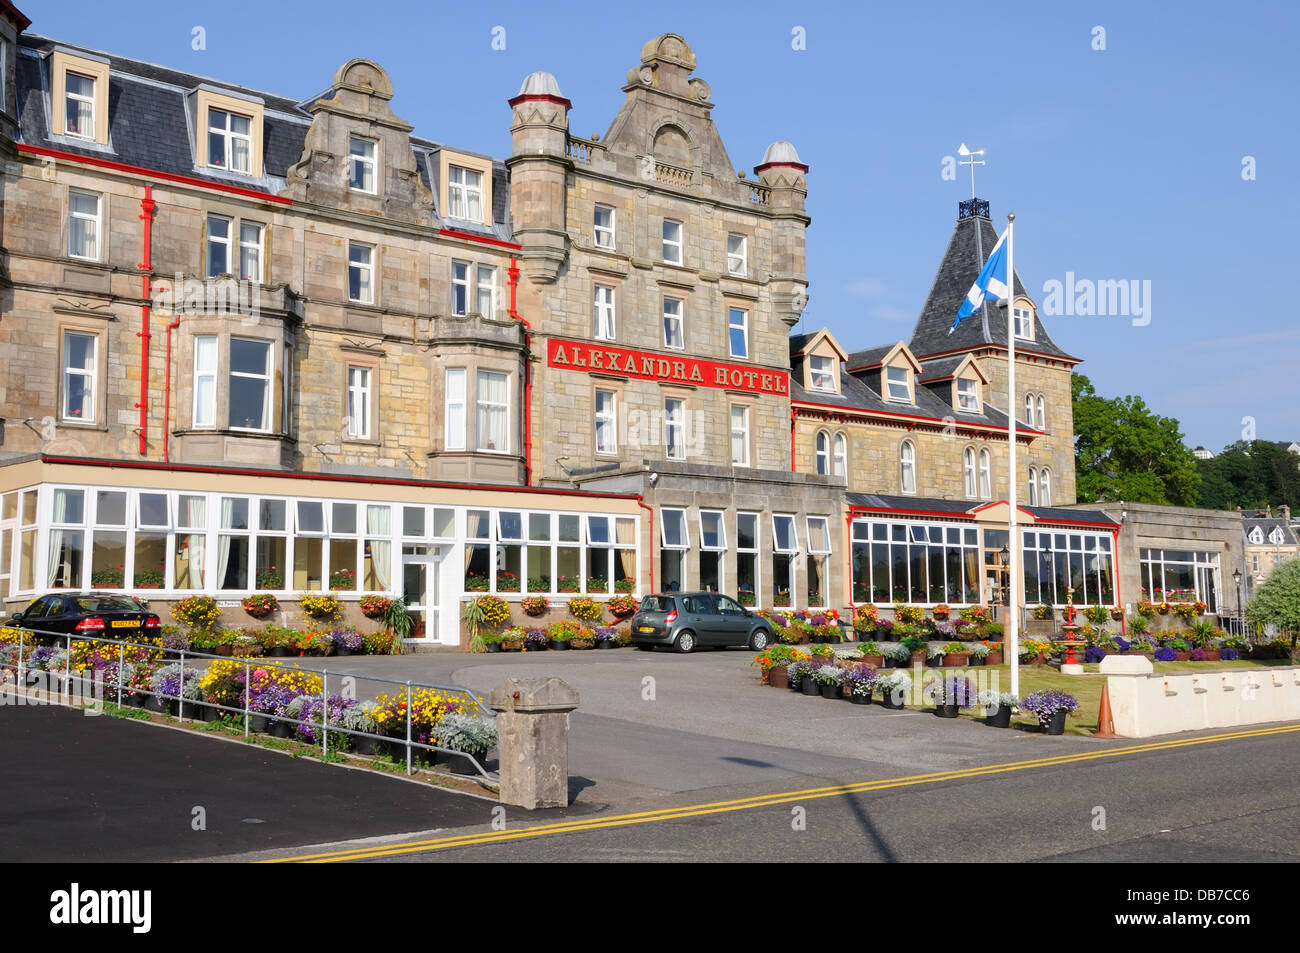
column 1027, row 316
column 794, row 535
column 604, row 315
column 743, row 433
column 98, row 220
column 906, row 467
column 969, row 475
column 91, row 375
column 839, row 455
column 268, row 379
column 742, row 256
column 209, row 241
column 743, row 327
column 679, row 243
column 199, row 374
column 610, row 419
column 822, row 453
column 817, row 373
column 673, row 422
column 455, row 410
column 459, row 193
column 890, row 385
column 480, row 404
column 259, row 245
column 968, row 402
column 609, row 230
column 365, row 270
column 1045, row 486
column 985, row 474
column 366, row 163
column 679, row 318
column 92, row 99
column 366, row 393
column 228, row 134
column 680, row 513
column 1042, row 413
column 491, row 289
column 1033, row 486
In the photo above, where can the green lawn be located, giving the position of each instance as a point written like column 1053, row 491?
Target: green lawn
column 1086, row 688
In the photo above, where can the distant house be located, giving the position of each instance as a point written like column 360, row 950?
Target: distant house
column 1270, row 540
column 1202, row 454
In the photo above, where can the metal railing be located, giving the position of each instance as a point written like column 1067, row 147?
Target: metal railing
column 181, row 703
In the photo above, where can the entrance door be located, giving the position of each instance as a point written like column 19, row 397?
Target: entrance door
column 420, row 587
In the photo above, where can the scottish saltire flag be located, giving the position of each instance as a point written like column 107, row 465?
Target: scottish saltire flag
column 992, row 280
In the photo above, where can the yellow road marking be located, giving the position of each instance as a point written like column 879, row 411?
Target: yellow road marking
column 767, row 800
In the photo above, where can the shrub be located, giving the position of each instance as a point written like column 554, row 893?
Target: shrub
column 198, row 612
column 378, row 643
column 472, row 734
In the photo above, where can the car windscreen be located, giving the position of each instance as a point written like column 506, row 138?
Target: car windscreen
column 108, row 604
column 657, row 604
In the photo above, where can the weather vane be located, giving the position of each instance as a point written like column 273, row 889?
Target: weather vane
column 972, row 162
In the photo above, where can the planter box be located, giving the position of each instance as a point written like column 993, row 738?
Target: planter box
column 777, row 677
column 993, row 658
column 875, row 661
column 956, row 660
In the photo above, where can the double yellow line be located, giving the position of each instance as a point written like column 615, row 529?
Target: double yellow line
column 766, row 800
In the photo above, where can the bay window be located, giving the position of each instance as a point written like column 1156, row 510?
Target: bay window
column 454, row 413
column 493, row 411
column 249, row 384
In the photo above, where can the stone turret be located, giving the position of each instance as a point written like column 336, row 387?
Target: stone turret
column 539, row 166
column 784, row 175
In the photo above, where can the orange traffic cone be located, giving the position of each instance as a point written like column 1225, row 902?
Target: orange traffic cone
column 1105, row 720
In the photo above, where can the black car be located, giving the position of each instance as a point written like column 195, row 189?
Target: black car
column 100, row 614
column 688, row 619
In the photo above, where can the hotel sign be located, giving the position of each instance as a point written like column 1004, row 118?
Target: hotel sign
column 642, row 365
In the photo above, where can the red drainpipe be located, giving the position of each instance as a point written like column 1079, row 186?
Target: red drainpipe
column 650, row 556
column 528, row 373
column 147, row 206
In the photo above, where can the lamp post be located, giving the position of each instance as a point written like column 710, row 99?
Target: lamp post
column 1005, row 556
column 1236, row 577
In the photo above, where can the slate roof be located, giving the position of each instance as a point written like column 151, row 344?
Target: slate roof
column 149, row 127
column 958, row 270
column 1042, row 514
column 1266, row 525
column 941, row 369
column 868, row 356
column 855, row 395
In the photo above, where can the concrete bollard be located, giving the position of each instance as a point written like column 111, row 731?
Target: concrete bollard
column 533, row 740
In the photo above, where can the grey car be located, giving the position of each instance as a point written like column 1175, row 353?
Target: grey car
column 686, row 620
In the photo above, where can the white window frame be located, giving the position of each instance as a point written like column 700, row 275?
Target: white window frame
column 679, row 514
column 826, row 534
column 604, row 327
column 460, row 281
column 675, row 422
column 365, row 162
column 1029, row 409
column 227, row 133
column 90, row 378
column 359, row 401
column 206, row 378
column 673, row 244
column 968, row 469
column 481, row 404
column 68, row 94
column 215, row 242
column 821, row 376
column 737, row 259
column 671, row 317
column 256, row 247
column 740, row 433
column 365, row 273
column 1045, row 487
column 907, row 468
column 1033, row 486
column 1024, row 318
column 794, row 537
column 743, row 327
column 1042, row 414
column 461, row 194
column 603, row 236
column 986, row 474
column 822, row 453
column 454, row 408
column 609, row 419
column 721, row 517
column 97, row 219
column 490, row 287
column 891, row 384
column 968, row 399
column 839, row 455
column 264, row 377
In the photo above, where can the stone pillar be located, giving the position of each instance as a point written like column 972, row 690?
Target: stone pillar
column 533, row 740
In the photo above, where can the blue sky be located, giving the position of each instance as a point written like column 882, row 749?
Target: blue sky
column 1121, row 164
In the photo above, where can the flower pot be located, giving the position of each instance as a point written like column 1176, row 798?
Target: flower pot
column 491, row 646
column 809, row 686
column 946, row 711
column 993, row 658
column 225, row 651
column 281, row 729
column 607, row 644
column 794, row 684
column 460, row 763
column 1182, row 656
column 918, row 657
column 875, row 661
column 364, row 746
column 582, row 644
column 511, row 646
column 132, row 700
column 205, row 712
column 1000, row 718
column 154, row 703
column 1211, row 655
column 1057, row 725
column 557, row 646
column 258, row 723
column 889, row 701
column 857, row 699
column 956, row 660
column 777, row 677
column 279, row 651
column 829, row 690
column 342, row 650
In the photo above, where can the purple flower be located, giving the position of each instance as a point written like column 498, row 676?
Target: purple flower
column 1227, row 655
column 347, row 638
column 605, row 634
column 945, row 629
column 819, row 620
column 1163, row 654
column 1044, row 704
column 1123, row 643
column 1094, row 653
column 1198, row 655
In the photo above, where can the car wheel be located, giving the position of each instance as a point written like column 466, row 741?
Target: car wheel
column 685, row 642
column 758, row 640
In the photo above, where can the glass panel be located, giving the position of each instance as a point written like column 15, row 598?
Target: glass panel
column 344, row 517
column 110, row 508
column 69, row 506
column 711, row 532
column 271, row 515
column 597, row 529
column 509, row 568
column 108, row 560
column 816, row 581
column 597, row 580
column 343, row 564
column 782, row 579
column 747, row 531
column 539, row 526
column 444, row 522
column 746, row 579
column 413, row 522
column 625, row 532
column 568, row 567
column 271, row 563
column 710, row 571
column 539, row 568
column 671, row 562
column 308, row 557
column 311, row 517
column 674, row 528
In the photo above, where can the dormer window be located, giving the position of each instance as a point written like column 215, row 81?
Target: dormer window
column 1275, row 537
column 230, row 141
column 968, row 398
column 1024, row 323
column 821, row 373
column 465, row 194
column 1256, row 537
column 79, row 96
column 897, row 386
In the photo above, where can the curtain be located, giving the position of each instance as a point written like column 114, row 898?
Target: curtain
column 56, row 535
column 475, row 528
column 223, row 541
column 492, row 398
column 379, row 523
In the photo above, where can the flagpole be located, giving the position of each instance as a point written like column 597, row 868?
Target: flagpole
column 1012, row 628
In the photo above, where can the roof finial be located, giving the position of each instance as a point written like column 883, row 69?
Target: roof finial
column 972, row 162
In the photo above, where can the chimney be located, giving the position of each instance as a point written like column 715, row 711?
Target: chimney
column 1284, row 511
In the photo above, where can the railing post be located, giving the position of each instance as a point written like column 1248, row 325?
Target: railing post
column 67, row 674
column 121, row 658
column 180, row 689
column 248, row 695
column 325, row 715
column 408, row 726
column 19, row 679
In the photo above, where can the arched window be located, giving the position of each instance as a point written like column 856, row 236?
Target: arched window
column 1029, row 409
column 1042, row 413
column 986, row 476
column 841, row 462
column 1045, row 487
column 907, row 467
column 970, row 472
column 1033, row 486
column 823, row 453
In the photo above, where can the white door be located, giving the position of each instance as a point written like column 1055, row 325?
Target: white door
column 420, row 587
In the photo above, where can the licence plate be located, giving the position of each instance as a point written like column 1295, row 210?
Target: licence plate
column 647, row 628
column 125, row 624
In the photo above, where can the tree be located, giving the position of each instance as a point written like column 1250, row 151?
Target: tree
column 1277, row 600
column 1123, row 451
column 1251, row 475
